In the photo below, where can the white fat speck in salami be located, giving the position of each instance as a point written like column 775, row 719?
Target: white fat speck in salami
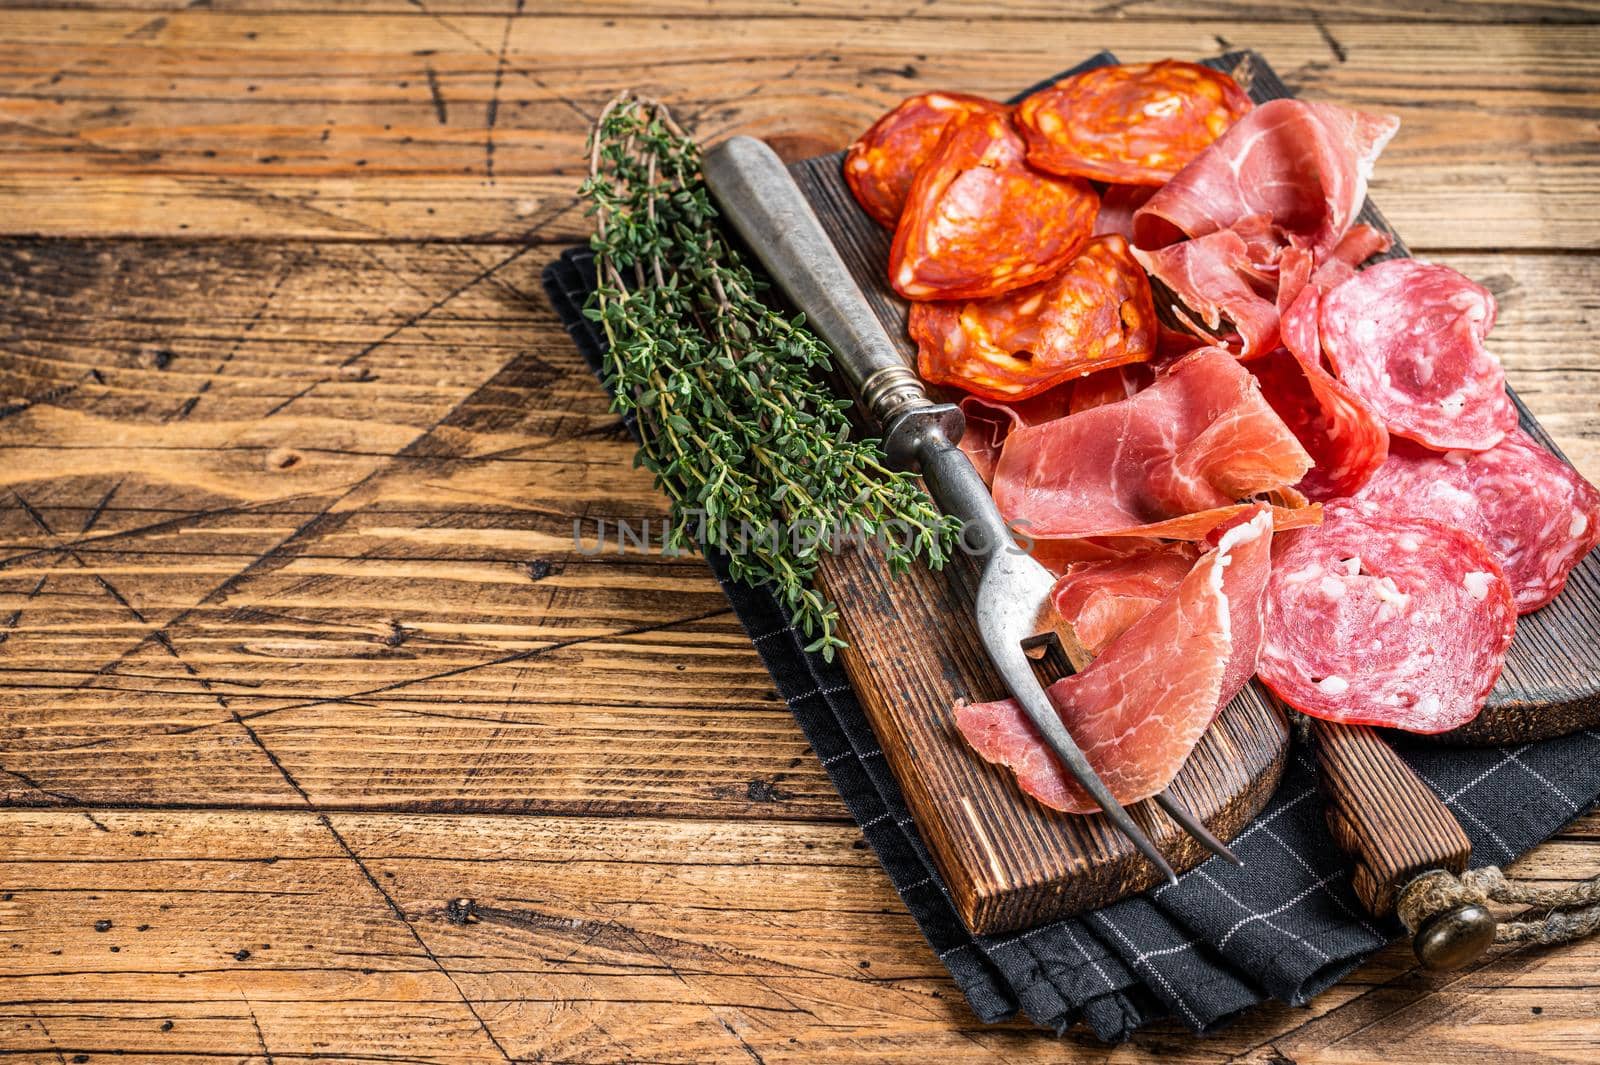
column 1415, row 640
column 1535, row 514
column 1407, row 337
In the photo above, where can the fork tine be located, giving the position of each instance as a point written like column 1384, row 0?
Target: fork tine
column 1017, row 671
column 1196, row 828
column 1051, row 659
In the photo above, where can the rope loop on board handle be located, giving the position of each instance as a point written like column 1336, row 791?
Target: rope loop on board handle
column 1448, row 914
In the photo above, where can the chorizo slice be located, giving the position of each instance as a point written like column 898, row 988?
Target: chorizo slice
column 1094, row 314
column 980, row 222
column 884, row 160
column 1131, row 125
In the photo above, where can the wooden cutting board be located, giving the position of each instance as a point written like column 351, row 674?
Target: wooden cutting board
column 1008, row 861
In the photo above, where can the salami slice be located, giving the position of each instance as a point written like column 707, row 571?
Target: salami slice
column 1133, row 125
column 1374, row 618
column 883, row 161
column 1537, row 515
column 980, row 222
column 1407, row 337
column 1094, row 314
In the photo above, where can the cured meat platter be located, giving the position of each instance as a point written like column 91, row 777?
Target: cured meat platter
column 1009, row 861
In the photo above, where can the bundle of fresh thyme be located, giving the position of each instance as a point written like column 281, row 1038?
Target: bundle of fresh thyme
column 753, row 451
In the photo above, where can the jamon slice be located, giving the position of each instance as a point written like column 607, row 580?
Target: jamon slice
column 1109, row 386
column 1343, row 434
column 1199, row 439
column 1103, row 598
column 979, row 222
column 1407, row 337
column 1141, row 706
column 1374, row 618
column 883, row 161
column 1303, row 165
column 1117, row 205
column 1537, row 516
column 1212, row 275
column 1344, row 438
column 990, row 421
column 1096, row 313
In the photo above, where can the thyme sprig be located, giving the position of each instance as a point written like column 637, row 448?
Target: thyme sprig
column 753, row 451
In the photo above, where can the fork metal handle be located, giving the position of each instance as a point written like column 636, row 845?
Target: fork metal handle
column 759, row 198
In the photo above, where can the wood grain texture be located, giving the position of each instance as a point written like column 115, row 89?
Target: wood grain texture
column 696, row 762
column 1382, row 815
column 470, row 125
column 280, row 936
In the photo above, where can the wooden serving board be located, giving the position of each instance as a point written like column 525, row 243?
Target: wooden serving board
column 1008, row 861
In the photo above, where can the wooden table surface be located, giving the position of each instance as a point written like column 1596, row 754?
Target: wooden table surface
column 296, row 646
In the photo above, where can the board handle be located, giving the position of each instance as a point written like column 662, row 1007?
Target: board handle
column 1396, row 829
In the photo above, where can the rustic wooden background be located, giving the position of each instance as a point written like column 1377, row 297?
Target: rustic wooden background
column 296, row 648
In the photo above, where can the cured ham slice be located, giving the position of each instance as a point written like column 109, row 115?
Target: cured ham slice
column 979, row 221
column 1374, row 618
column 1212, row 275
column 1407, row 337
column 1303, row 165
column 1117, row 205
column 1537, row 516
column 1096, row 313
column 1344, row 438
column 883, row 161
column 1172, row 460
column 1102, row 599
column 1141, row 706
column 990, row 421
column 1110, row 386
column 1137, row 124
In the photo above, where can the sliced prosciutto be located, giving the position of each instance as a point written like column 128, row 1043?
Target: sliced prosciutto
column 1303, row 165
column 1141, row 706
column 1218, row 279
column 1117, row 205
column 1407, row 337
column 990, row 421
column 1375, row 618
column 1172, row 460
column 1101, row 599
column 1344, row 438
column 1537, row 516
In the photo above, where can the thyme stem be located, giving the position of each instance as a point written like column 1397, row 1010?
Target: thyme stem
column 733, row 422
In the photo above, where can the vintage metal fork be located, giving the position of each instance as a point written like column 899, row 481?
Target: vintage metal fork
column 760, row 199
